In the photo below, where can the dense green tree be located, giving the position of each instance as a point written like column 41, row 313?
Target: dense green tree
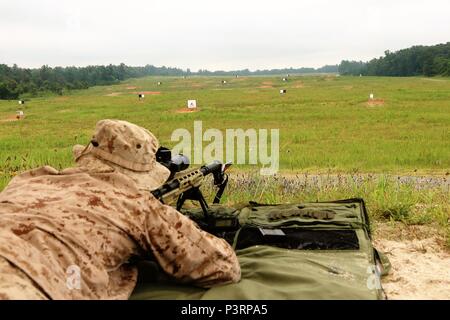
column 15, row 81
column 415, row 61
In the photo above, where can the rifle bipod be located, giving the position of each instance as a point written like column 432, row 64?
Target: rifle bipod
column 196, row 195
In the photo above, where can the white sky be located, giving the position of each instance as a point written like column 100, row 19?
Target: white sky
column 225, row 35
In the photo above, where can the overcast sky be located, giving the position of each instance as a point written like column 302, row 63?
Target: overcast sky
column 225, row 35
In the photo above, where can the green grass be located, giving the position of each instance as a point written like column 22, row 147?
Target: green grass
column 387, row 199
column 324, row 121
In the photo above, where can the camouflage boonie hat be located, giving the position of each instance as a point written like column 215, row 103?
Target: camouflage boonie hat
column 127, row 148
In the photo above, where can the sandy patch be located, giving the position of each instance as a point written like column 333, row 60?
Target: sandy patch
column 130, row 88
column 266, row 85
column 147, row 92
column 375, row 103
column 187, row 110
column 10, row 118
column 113, row 94
column 437, row 80
column 420, row 261
column 62, row 98
column 298, row 85
column 420, row 269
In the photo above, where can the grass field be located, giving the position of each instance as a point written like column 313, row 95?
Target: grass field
column 326, row 126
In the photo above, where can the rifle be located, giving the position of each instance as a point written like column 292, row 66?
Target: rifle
column 184, row 184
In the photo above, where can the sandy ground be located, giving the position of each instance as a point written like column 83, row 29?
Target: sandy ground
column 420, row 266
column 298, row 84
column 187, row 110
column 113, row 94
column 266, row 85
column 375, row 102
column 10, row 118
column 147, row 92
column 437, row 80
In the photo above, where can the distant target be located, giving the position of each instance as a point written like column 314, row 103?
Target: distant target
column 192, row 104
column 20, row 115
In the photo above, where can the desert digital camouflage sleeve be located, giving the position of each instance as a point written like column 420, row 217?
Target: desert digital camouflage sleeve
column 186, row 252
column 51, row 221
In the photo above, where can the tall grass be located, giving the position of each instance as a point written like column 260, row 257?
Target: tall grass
column 387, row 198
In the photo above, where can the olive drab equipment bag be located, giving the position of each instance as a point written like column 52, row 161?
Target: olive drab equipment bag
column 319, row 250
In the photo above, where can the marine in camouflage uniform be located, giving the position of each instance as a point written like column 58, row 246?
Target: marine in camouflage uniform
column 70, row 234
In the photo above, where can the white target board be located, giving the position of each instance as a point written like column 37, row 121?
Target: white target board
column 192, row 104
column 371, row 96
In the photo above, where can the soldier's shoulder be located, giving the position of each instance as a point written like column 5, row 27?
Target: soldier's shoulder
column 40, row 172
column 36, row 172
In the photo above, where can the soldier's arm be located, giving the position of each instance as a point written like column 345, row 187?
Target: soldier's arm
column 187, row 253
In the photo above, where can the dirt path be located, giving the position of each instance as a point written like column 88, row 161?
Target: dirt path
column 420, row 266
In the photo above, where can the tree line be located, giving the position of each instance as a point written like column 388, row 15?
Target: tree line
column 16, row 81
column 285, row 71
column 415, row 61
